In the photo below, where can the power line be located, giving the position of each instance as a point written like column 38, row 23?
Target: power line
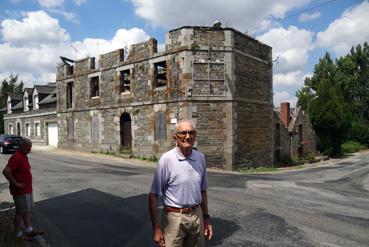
column 297, row 13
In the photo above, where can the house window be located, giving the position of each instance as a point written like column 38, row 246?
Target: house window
column 28, row 129
column 11, row 131
column 125, row 81
column 95, row 129
column 160, row 126
column 26, row 103
column 35, row 102
column 160, row 74
column 37, row 129
column 94, row 85
column 69, row 95
column 70, row 128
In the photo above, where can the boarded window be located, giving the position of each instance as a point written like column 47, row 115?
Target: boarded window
column 160, row 126
column 94, row 83
column 208, row 79
column 125, row 81
column 95, row 129
column 11, row 129
column 69, row 95
column 70, row 128
column 160, row 74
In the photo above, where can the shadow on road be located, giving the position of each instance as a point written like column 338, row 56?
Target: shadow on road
column 94, row 218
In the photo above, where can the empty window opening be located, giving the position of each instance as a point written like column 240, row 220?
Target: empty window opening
column 125, row 81
column 94, row 83
column 69, row 95
column 160, row 74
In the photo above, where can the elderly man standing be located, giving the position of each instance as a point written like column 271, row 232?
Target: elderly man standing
column 182, row 180
column 18, row 173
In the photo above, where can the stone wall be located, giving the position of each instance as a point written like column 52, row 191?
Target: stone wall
column 308, row 142
column 253, row 138
column 282, row 141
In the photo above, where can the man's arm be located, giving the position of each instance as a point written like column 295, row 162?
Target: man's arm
column 8, row 174
column 158, row 236
column 204, row 206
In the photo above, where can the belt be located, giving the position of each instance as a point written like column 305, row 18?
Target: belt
column 181, row 210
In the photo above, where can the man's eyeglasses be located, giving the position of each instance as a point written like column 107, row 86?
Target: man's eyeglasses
column 183, row 134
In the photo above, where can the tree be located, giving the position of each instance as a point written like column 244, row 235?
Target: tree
column 8, row 85
column 322, row 97
column 354, row 80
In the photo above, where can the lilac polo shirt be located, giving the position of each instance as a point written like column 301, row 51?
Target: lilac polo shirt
column 179, row 179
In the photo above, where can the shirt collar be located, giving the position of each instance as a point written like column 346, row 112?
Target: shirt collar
column 181, row 157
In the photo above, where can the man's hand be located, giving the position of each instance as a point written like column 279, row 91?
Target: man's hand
column 208, row 229
column 19, row 185
column 158, row 237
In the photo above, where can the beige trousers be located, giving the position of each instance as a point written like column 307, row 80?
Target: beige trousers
column 183, row 230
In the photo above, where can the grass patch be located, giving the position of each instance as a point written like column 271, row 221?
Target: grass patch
column 352, row 147
column 7, row 235
column 257, row 169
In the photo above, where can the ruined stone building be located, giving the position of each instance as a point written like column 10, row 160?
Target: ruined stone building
column 293, row 133
column 32, row 114
column 130, row 101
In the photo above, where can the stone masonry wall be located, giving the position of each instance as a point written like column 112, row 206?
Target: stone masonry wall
column 308, row 142
column 253, row 135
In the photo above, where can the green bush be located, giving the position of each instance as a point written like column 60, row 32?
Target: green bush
column 359, row 132
column 352, row 147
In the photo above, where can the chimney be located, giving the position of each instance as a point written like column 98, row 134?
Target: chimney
column 285, row 113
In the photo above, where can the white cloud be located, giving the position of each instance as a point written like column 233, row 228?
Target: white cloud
column 166, row 14
column 347, row 31
column 79, row 2
column 33, row 45
column 284, row 97
column 294, row 78
column 291, row 46
column 123, row 38
column 51, row 3
column 36, row 28
column 70, row 16
column 305, row 17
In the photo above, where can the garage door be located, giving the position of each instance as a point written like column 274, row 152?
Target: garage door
column 52, row 131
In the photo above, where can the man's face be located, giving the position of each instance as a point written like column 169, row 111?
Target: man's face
column 185, row 135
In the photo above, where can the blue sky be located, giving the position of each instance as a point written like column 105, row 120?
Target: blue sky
column 34, row 33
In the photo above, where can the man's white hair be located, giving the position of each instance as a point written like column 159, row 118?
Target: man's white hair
column 186, row 121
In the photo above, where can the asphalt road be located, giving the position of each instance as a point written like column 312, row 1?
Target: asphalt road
column 94, row 200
